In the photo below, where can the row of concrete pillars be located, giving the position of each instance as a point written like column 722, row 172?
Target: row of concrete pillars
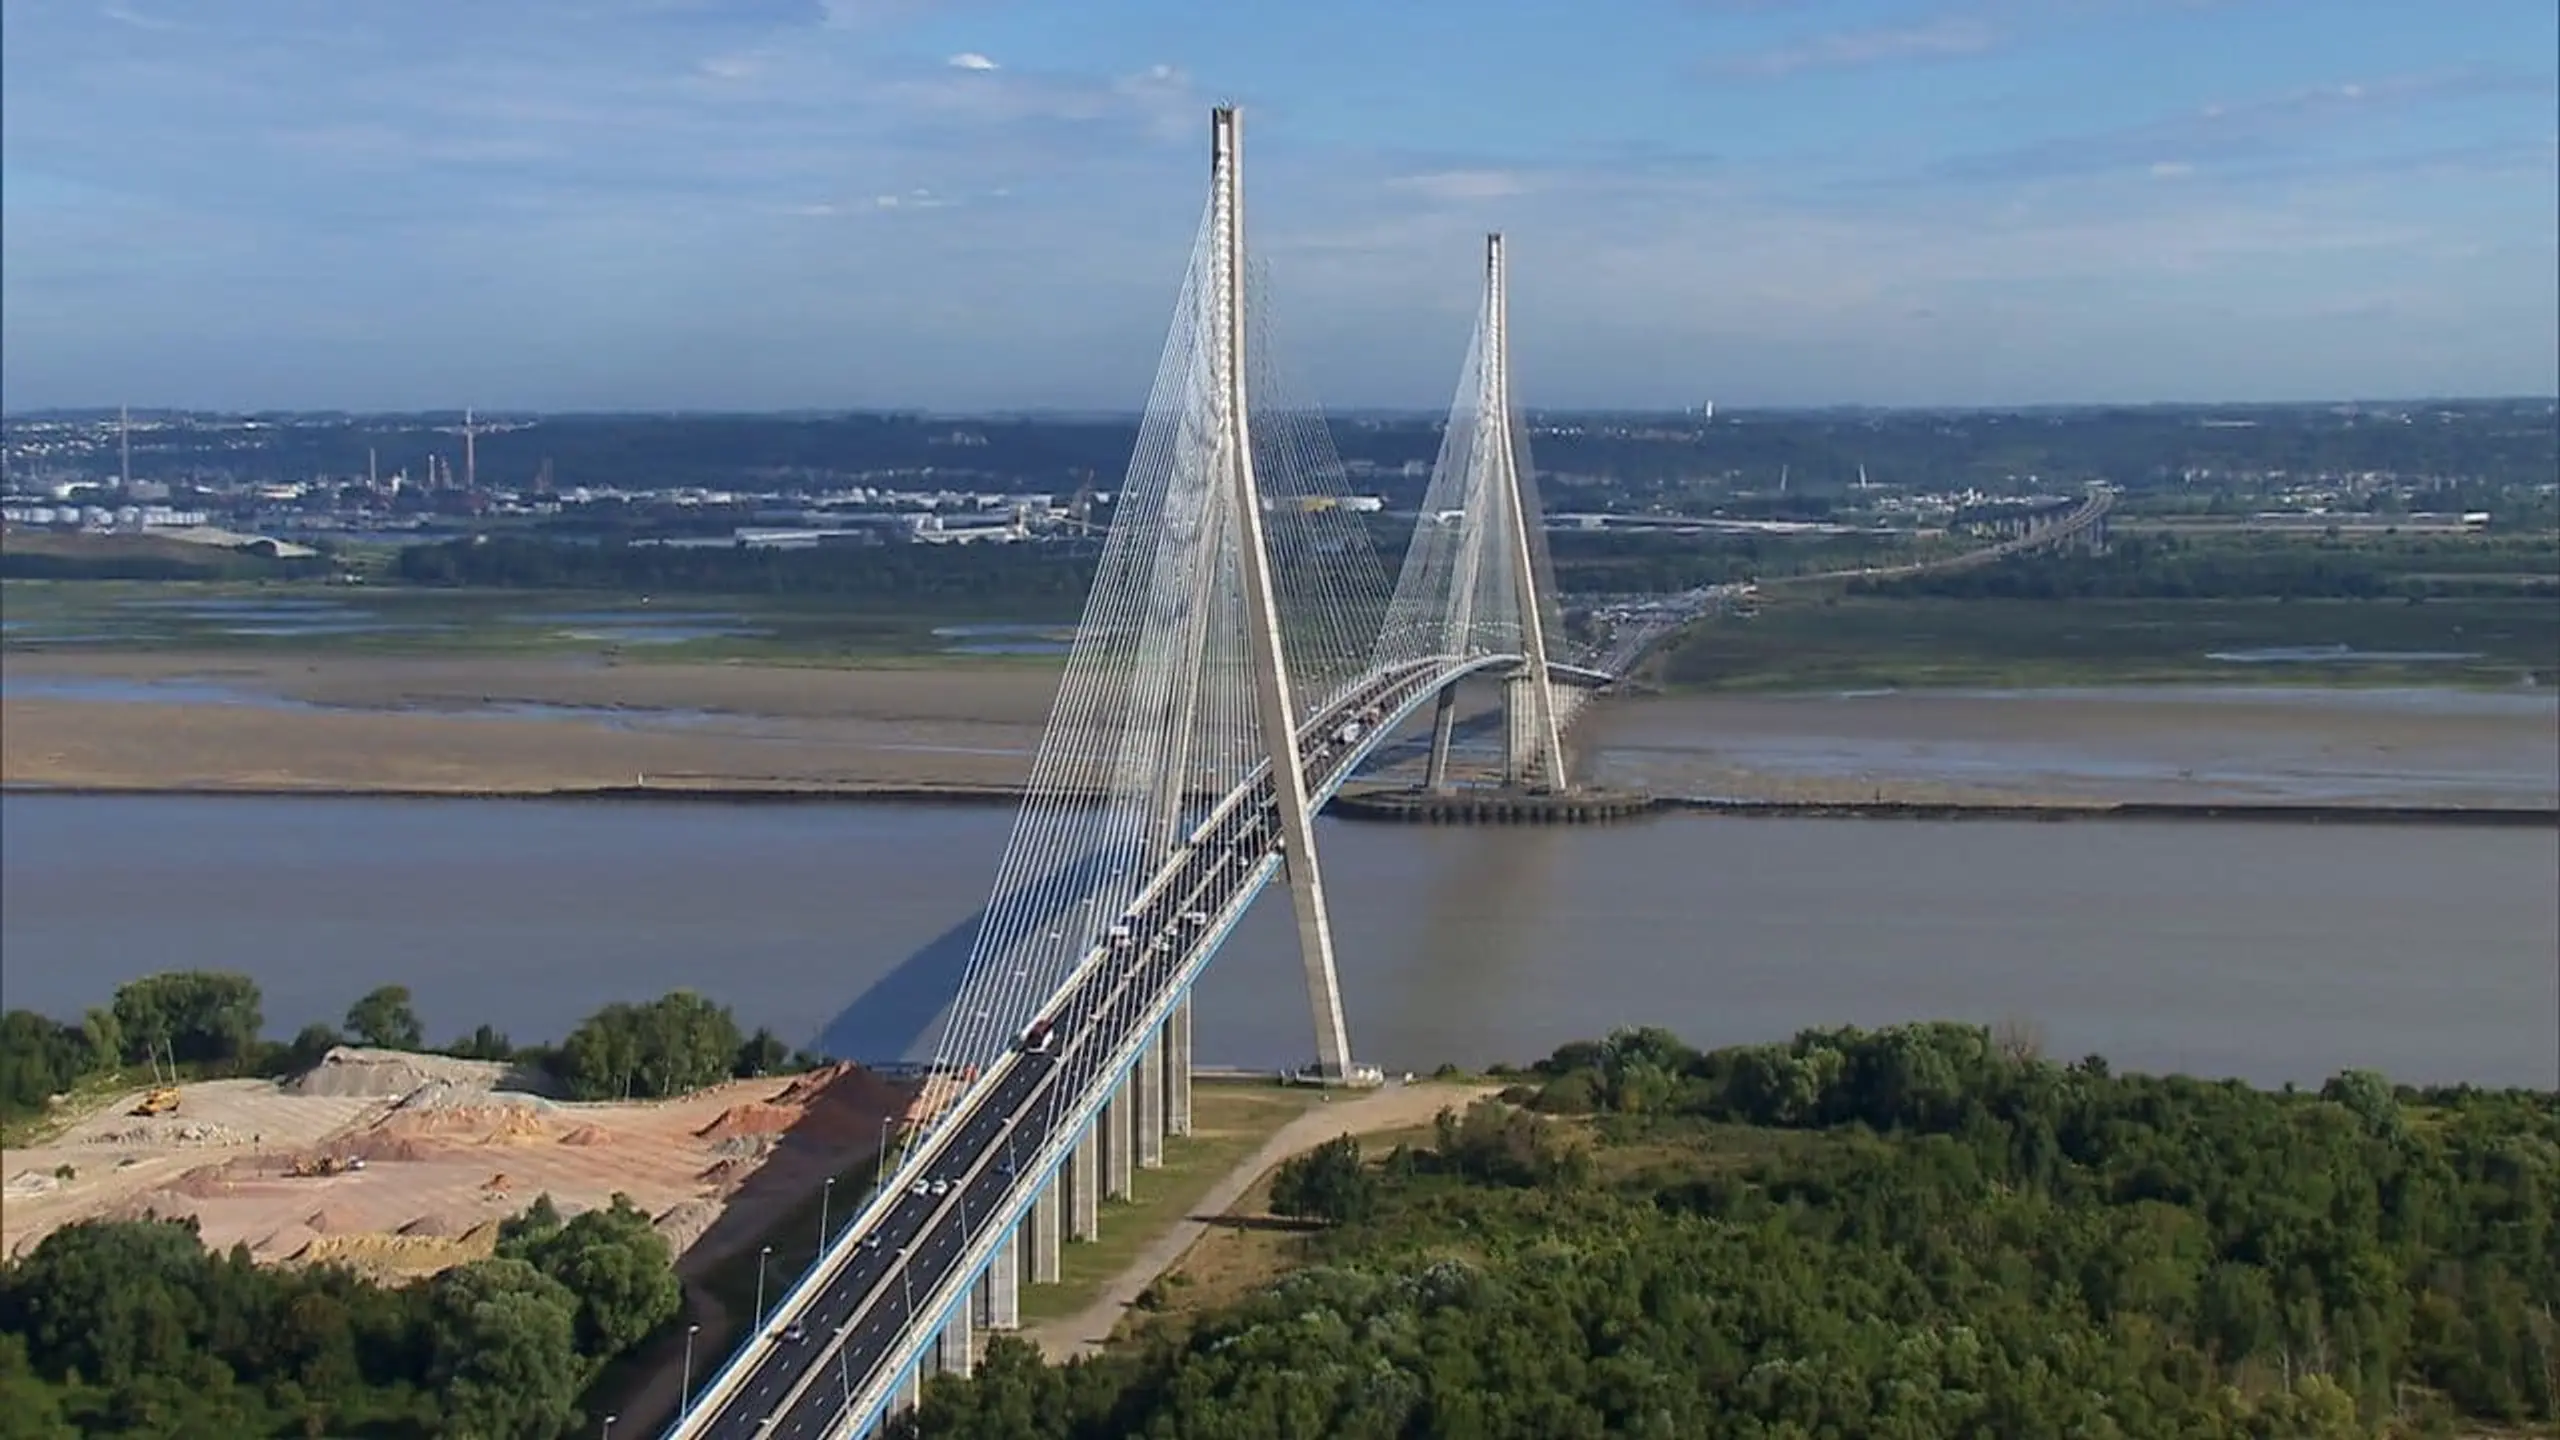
column 1151, row 1102
column 1521, row 742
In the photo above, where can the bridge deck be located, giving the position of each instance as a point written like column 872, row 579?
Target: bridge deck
column 867, row 1312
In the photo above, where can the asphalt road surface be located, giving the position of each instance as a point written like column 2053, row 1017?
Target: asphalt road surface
column 816, row 1359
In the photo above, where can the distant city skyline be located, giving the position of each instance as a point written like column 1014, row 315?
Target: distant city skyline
column 984, row 205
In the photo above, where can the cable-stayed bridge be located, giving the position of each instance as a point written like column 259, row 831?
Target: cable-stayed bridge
column 1240, row 655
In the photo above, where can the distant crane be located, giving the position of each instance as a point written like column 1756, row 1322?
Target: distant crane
column 470, row 433
column 1079, row 517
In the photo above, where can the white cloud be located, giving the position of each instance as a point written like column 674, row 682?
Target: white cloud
column 971, row 60
column 125, row 15
column 913, row 200
column 2171, row 169
column 1946, row 37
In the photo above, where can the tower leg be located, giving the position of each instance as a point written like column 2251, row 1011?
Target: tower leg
column 1275, row 707
column 1519, row 739
column 1444, row 724
column 1545, row 741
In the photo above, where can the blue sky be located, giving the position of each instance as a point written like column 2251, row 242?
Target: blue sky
column 639, row 204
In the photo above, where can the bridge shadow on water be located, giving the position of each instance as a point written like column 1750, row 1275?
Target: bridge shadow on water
column 890, row 1021
column 894, row 1020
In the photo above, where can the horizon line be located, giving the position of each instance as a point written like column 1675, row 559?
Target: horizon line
column 1112, row 415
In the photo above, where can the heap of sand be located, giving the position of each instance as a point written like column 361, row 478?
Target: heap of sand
column 349, row 1070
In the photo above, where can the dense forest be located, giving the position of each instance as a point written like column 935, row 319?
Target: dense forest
column 1913, row 1232
column 39, row 555
column 1926, row 1230
column 1037, row 579
column 134, row 1329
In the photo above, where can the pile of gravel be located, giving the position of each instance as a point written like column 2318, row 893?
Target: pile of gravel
column 441, row 1093
column 350, row 1072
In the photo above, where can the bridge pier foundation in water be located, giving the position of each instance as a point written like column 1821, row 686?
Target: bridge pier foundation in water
column 1486, row 805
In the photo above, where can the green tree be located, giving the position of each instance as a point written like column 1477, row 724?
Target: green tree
column 202, row 1016
column 315, row 1041
column 486, row 1042
column 111, row 1302
column 40, row 1058
column 762, row 1054
column 677, row 1043
column 615, row 1262
column 30, row 1409
column 504, row 1340
column 1327, row 1184
column 384, row 1018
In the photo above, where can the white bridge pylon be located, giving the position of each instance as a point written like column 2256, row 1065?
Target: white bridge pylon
column 1232, row 600
column 1240, row 645
column 1477, row 580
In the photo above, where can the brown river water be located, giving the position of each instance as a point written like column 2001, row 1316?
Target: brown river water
column 2264, row 951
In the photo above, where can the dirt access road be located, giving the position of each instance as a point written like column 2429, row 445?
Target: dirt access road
column 1395, row 1107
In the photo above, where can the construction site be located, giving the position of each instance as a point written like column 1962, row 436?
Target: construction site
column 399, row 1165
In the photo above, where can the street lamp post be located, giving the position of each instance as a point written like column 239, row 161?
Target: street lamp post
column 761, row 1256
column 824, row 1196
column 883, row 1182
column 684, row 1397
column 608, row 1426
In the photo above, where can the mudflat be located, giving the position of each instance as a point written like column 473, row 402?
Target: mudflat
column 530, row 725
column 509, row 725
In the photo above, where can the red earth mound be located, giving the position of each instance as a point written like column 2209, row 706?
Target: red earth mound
column 751, row 1118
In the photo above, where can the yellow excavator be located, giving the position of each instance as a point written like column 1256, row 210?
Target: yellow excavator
column 160, row 1101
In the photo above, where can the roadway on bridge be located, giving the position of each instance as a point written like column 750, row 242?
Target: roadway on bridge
column 812, row 1363
column 854, row 1325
